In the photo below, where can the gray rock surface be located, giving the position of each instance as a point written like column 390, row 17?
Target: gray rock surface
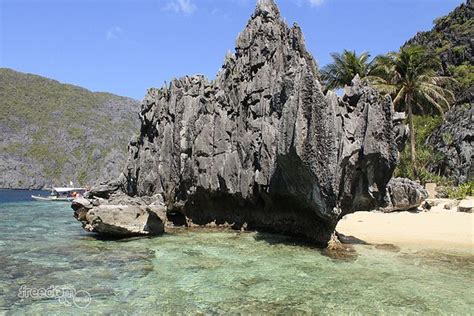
column 261, row 146
column 125, row 217
column 404, row 194
column 454, row 139
column 466, row 206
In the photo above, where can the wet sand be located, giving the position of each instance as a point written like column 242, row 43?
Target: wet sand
column 435, row 229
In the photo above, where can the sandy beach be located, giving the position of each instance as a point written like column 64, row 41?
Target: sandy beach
column 434, row 229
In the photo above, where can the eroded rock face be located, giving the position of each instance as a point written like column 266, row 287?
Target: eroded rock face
column 404, row 194
column 454, row 139
column 261, row 146
column 121, row 216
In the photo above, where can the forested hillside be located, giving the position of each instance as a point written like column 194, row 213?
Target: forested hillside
column 54, row 133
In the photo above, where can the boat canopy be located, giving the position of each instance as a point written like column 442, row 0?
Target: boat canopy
column 64, row 190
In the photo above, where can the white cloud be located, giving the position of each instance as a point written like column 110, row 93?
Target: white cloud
column 113, row 32
column 315, row 3
column 186, row 7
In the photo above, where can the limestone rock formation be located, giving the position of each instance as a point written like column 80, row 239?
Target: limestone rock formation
column 261, row 146
column 129, row 217
column 454, row 139
column 404, row 194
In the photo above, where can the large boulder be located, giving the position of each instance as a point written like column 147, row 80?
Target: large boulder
column 404, row 194
column 454, row 139
column 112, row 218
column 261, row 146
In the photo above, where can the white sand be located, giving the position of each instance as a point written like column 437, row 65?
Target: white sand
column 434, row 229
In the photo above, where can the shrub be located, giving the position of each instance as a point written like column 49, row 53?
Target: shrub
column 462, row 191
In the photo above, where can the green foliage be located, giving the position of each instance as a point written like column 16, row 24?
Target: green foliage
column 410, row 74
column 344, row 68
column 466, row 105
column 77, row 153
column 459, row 49
column 464, row 28
column 448, row 138
column 425, row 155
column 443, row 46
column 461, row 192
column 442, row 20
column 450, row 38
column 76, row 133
column 50, row 156
column 425, row 125
column 12, row 148
column 416, row 71
column 41, row 152
column 82, row 178
column 464, row 75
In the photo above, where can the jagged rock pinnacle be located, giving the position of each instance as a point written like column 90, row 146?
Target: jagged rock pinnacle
column 267, row 6
column 261, row 146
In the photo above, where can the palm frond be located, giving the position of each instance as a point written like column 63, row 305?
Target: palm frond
column 344, row 68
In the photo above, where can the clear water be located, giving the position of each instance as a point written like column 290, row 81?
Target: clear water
column 214, row 272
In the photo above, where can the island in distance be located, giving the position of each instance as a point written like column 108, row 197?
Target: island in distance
column 54, row 133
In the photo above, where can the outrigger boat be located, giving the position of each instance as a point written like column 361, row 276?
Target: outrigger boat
column 61, row 195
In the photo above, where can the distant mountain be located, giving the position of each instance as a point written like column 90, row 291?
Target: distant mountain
column 452, row 40
column 54, row 133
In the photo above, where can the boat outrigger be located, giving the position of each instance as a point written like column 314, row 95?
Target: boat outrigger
column 61, row 195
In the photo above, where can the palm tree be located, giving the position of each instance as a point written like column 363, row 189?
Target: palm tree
column 410, row 77
column 344, row 68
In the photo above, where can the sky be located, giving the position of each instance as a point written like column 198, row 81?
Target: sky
column 127, row 46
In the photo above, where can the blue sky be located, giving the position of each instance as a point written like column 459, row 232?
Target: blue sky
column 125, row 47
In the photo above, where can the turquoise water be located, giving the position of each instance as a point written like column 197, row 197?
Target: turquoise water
column 214, row 272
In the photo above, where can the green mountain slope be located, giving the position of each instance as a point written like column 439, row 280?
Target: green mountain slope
column 445, row 148
column 452, row 40
column 53, row 133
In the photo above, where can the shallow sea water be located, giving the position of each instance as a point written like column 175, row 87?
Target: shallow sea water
column 214, row 272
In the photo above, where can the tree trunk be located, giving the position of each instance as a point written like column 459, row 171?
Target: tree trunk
column 412, row 131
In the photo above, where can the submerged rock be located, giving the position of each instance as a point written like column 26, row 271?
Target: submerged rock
column 261, row 146
column 387, row 247
column 404, row 194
